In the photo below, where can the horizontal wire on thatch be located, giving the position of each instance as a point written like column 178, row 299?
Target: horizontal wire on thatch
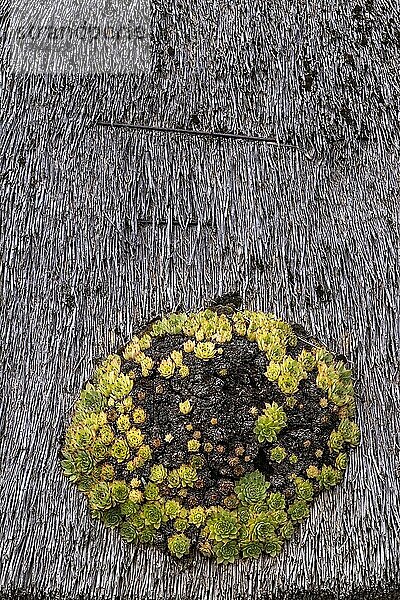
column 211, row 134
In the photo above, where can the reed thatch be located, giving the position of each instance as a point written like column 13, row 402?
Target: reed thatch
column 103, row 228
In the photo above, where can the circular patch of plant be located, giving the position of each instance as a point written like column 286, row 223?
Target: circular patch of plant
column 212, row 431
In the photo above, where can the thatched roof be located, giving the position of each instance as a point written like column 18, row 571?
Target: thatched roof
column 103, row 228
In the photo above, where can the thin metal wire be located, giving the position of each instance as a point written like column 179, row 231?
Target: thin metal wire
column 212, row 134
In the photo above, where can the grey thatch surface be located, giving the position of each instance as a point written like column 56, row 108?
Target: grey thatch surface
column 103, row 228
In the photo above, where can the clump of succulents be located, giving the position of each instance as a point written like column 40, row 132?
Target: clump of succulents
column 148, row 483
column 270, row 423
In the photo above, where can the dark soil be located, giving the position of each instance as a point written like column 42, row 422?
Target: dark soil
column 225, row 389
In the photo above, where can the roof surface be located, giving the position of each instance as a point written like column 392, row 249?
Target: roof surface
column 104, row 228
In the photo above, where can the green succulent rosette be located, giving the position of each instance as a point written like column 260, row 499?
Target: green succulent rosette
column 252, row 488
column 179, row 545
